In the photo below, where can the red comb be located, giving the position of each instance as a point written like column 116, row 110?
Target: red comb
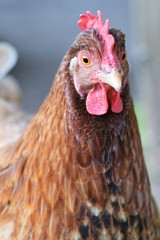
column 88, row 22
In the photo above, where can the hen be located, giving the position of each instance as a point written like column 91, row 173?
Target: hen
column 77, row 171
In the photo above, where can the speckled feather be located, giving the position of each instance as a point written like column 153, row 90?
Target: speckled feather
column 75, row 176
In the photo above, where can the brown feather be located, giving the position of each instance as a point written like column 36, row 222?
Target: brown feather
column 72, row 175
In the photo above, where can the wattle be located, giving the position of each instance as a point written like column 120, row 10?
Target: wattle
column 98, row 99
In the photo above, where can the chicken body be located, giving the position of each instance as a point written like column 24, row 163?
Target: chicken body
column 75, row 173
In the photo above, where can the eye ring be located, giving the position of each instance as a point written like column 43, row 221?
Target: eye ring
column 86, row 61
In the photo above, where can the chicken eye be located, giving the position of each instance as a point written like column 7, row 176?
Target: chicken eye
column 123, row 56
column 86, row 61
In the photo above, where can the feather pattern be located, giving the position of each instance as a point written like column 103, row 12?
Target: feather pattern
column 73, row 176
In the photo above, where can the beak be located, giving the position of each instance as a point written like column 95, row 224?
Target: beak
column 112, row 78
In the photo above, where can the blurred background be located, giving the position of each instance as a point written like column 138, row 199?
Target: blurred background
column 42, row 31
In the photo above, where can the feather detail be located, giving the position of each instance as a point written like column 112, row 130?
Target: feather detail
column 72, row 175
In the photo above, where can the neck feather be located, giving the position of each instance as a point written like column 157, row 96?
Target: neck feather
column 71, row 166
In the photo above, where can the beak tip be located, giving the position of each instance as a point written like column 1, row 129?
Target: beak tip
column 118, row 89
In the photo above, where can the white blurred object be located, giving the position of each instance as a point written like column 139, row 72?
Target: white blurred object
column 8, row 58
column 9, row 87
